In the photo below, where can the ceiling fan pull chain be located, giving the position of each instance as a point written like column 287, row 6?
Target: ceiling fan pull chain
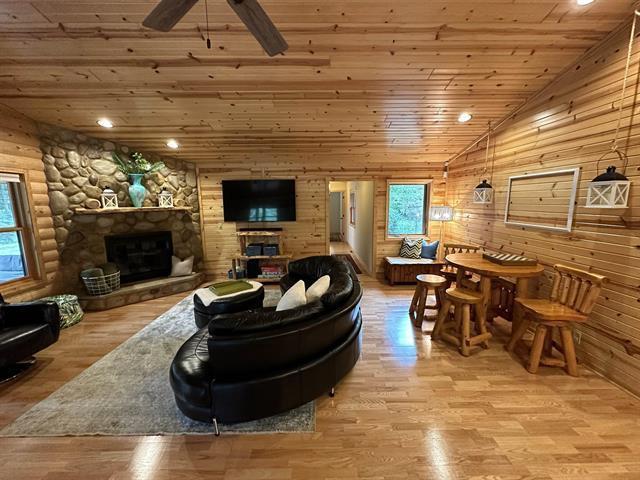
column 206, row 13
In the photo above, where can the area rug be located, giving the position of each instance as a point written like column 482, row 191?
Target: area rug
column 127, row 392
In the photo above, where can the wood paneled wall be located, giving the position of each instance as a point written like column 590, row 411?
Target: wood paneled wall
column 20, row 153
column 310, row 234
column 571, row 124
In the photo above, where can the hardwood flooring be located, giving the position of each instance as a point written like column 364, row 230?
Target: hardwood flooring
column 409, row 410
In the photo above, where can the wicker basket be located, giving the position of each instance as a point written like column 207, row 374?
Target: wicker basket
column 101, row 284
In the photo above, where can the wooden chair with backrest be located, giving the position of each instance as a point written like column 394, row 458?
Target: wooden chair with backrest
column 573, row 295
column 450, row 272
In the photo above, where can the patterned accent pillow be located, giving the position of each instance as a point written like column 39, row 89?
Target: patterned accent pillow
column 411, row 248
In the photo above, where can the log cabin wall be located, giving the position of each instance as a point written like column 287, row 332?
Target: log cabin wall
column 20, row 153
column 309, row 235
column 569, row 124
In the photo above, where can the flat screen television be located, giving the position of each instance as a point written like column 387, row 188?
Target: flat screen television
column 259, row 200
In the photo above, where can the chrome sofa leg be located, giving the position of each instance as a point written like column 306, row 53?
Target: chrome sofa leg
column 215, row 427
column 15, row 370
column 332, row 393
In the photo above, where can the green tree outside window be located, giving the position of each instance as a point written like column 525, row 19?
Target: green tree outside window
column 407, row 209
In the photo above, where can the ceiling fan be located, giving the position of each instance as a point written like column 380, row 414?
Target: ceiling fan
column 169, row 12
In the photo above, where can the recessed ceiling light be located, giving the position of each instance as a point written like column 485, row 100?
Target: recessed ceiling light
column 173, row 144
column 584, row 2
column 464, row 117
column 105, row 123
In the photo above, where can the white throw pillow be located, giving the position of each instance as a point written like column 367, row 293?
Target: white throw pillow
column 319, row 288
column 293, row 298
column 181, row 268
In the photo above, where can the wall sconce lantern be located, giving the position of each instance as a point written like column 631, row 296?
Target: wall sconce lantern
column 165, row 198
column 609, row 190
column 483, row 193
column 109, row 198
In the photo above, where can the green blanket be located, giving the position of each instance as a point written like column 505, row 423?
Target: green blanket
column 230, row 287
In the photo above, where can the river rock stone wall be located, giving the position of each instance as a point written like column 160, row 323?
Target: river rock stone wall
column 77, row 167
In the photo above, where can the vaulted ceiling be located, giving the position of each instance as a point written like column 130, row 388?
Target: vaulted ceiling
column 363, row 80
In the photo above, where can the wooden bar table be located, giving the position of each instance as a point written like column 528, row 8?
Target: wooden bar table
column 474, row 263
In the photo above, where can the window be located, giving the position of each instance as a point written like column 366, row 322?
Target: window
column 15, row 236
column 407, row 208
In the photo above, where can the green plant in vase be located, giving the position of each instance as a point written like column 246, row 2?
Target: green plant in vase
column 136, row 167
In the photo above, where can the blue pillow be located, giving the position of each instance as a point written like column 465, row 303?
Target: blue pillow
column 429, row 250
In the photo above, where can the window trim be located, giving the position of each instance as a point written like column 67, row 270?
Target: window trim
column 25, row 220
column 427, row 224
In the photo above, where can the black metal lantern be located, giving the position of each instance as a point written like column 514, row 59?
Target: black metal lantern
column 609, row 190
column 483, row 193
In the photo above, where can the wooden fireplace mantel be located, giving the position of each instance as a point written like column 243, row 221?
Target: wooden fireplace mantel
column 113, row 211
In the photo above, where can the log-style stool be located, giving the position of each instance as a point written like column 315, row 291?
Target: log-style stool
column 419, row 302
column 458, row 331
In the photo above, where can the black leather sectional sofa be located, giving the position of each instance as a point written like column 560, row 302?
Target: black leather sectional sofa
column 254, row 364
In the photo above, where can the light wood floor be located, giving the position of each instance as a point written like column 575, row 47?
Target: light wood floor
column 409, row 410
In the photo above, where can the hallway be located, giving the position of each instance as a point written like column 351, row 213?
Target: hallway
column 343, row 248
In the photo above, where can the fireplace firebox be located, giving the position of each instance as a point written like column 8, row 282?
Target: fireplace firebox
column 141, row 256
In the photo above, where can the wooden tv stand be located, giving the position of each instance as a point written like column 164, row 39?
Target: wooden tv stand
column 269, row 237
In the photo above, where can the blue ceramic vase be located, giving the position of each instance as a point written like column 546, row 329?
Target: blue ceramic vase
column 137, row 192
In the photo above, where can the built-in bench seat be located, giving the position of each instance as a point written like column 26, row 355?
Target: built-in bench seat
column 405, row 270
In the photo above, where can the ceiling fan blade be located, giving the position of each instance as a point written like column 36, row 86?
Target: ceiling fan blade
column 167, row 13
column 260, row 25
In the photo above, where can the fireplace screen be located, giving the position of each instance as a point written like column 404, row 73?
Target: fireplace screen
column 141, row 257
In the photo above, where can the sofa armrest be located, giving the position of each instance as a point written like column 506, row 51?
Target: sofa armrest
column 31, row 312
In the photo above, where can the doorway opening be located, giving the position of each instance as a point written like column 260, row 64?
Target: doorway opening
column 351, row 225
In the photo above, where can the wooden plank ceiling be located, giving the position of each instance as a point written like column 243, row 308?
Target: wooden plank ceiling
column 363, row 81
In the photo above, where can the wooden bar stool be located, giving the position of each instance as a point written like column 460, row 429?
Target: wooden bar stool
column 419, row 302
column 458, row 331
column 573, row 295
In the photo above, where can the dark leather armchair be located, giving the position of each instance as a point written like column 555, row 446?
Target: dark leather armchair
column 25, row 329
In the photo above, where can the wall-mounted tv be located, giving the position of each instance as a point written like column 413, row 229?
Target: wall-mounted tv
column 259, row 200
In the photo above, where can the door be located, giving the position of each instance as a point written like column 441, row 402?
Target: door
column 335, row 216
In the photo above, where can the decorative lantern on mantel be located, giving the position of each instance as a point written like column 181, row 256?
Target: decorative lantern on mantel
column 109, row 198
column 483, row 193
column 609, row 190
column 165, row 198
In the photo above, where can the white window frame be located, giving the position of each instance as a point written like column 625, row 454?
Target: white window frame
column 571, row 208
column 19, row 194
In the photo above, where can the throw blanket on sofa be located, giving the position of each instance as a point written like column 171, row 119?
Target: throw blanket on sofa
column 207, row 296
column 227, row 288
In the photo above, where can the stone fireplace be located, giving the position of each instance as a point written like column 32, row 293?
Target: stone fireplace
column 76, row 169
column 143, row 256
